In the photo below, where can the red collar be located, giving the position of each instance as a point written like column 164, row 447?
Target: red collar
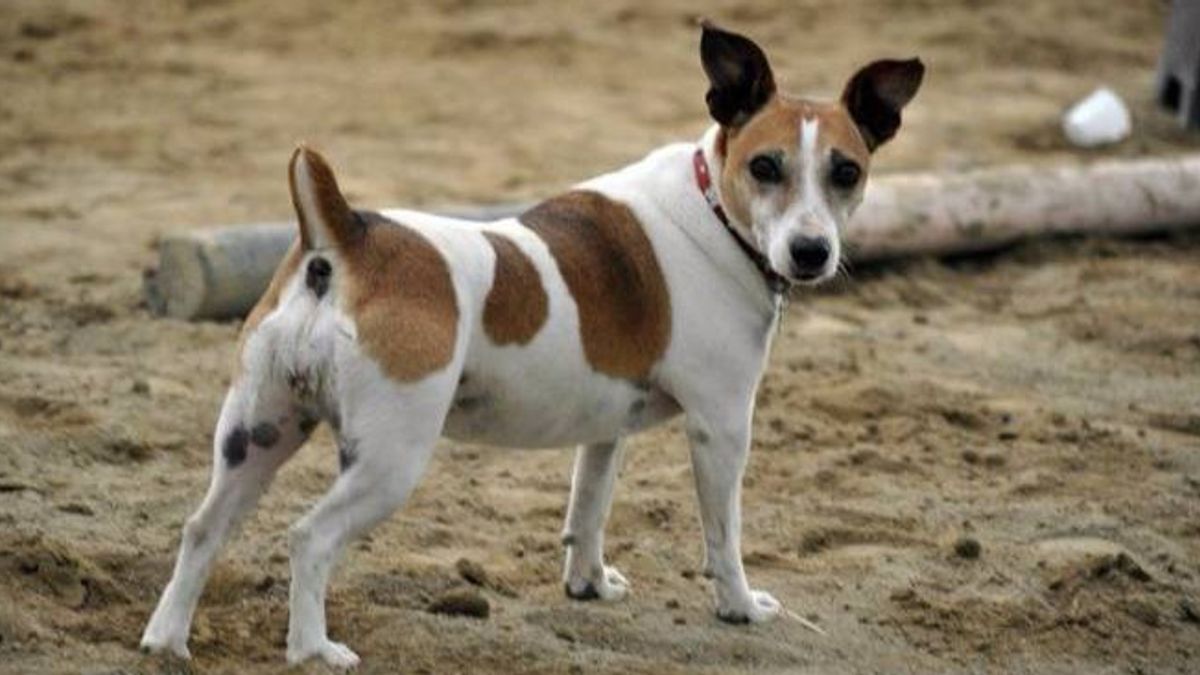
column 776, row 282
column 704, row 181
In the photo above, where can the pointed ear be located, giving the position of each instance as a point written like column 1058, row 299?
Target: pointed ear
column 323, row 213
column 875, row 95
column 738, row 73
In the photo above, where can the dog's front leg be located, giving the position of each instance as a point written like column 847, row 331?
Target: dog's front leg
column 719, row 451
column 585, row 576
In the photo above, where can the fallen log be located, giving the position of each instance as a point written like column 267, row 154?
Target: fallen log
column 215, row 273
column 931, row 214
column 219, row 273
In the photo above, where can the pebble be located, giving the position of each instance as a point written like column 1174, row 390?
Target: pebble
column 471, row 571
column 77, row 508
column 461, row 602
column 967, row 548
column 1188, row 611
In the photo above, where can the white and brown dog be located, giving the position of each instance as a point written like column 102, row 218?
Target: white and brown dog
column 636, row 296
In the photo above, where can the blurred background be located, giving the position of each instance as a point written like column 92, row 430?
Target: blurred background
column 1041, row 402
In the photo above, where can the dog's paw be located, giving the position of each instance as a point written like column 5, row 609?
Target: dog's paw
column 759, row 608
column 612, row 585
column 335, row 654
column 167, row 646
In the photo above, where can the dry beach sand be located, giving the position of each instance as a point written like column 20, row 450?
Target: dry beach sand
column 977, row 465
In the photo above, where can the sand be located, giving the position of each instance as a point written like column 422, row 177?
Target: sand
column 989, row 464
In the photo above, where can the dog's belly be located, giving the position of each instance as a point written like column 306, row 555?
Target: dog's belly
column 540, row 412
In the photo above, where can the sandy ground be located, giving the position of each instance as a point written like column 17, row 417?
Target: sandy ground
column 979, row 465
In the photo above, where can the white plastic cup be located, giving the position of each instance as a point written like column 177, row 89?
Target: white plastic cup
column 1099, row 119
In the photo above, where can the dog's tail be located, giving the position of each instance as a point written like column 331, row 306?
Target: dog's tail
column 326, row 220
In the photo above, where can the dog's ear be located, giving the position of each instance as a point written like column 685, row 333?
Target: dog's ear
column 877, row 92
column 325, row 217
column 739, row 76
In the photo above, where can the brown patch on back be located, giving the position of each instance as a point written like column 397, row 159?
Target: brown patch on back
column 397, row 286
column 270, row 298
column 516, row 306
column 777, row 126
column 612, row 273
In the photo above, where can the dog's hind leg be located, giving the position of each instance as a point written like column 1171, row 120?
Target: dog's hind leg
column 259, row 429
column 585, row 576
column 387, row 436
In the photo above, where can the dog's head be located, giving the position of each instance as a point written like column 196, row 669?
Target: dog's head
column 793, row 170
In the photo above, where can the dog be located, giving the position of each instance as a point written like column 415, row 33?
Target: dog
column 637, row 296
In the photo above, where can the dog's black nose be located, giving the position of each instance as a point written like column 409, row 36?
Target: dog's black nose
column 810, row 255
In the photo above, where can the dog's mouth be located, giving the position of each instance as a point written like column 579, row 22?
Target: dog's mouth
column 808, row 278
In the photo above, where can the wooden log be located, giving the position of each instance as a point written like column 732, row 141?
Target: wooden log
column 923, row 214
column 220, row 273
column 216, row 273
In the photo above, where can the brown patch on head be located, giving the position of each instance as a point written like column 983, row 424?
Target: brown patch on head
column 777, row 127
column 270, row 298
column 398, row 289
column 612, row 273
column 516, row 306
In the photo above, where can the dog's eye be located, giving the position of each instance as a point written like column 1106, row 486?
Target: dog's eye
column 845, row 175
column 766, row 169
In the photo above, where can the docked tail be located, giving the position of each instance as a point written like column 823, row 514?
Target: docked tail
column 326, row 220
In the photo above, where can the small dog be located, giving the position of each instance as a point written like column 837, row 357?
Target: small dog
column 636, row 296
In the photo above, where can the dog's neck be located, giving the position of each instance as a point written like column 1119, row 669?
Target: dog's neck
column 726, row 243
column 738, row 232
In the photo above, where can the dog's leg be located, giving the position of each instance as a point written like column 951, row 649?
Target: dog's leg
column 385, row 445
column 248, row 449
column 719, row 453
column 585, row 576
